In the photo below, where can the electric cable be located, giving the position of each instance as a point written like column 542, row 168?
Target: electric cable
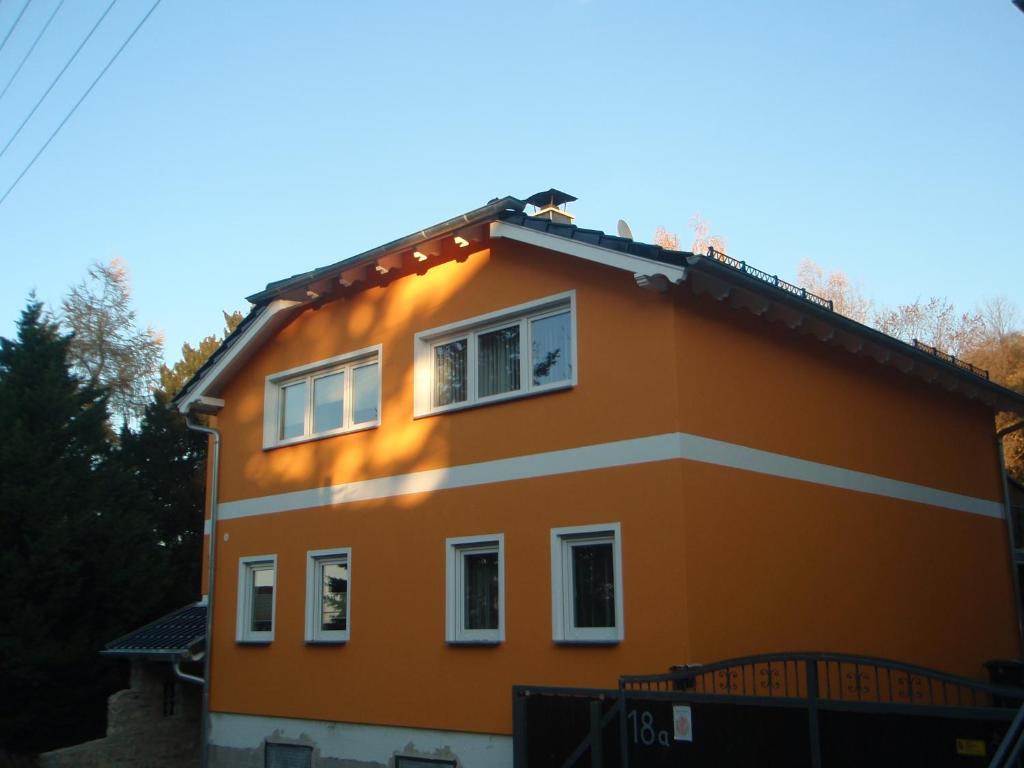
column 11, row 30
column 58, row 77
column 79, row 102
column 31, row 48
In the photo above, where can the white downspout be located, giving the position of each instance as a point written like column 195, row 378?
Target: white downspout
column 204, row 738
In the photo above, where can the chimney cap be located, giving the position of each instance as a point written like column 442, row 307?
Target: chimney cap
column 553, row 197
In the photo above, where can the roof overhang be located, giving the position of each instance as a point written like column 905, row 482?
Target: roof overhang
column 753, row 294
column 645, row 271
column 200, row 394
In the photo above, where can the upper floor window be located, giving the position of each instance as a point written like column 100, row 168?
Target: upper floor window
column 512, row 353
column 256, row 578
column 328, row 576
column 328, row 397
column 586, row 584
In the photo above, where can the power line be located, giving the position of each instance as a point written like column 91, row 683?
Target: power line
column 58, row 77
column 31, row 48
column 79, row 102
column 11, row 30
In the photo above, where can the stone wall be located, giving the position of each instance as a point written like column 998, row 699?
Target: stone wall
column 152, row 724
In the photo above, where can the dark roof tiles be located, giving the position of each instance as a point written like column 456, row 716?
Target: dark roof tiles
column 175, row 633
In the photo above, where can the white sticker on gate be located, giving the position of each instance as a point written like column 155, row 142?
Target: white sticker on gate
column 682, row 723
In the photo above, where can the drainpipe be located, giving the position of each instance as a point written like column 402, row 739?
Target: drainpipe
column 182, row 675
column 204, row 738
column 1009, row 529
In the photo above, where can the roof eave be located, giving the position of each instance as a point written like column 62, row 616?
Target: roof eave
column 477, row 216
column 832, row 327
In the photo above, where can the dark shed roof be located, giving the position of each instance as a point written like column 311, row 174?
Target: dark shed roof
column 175, row 634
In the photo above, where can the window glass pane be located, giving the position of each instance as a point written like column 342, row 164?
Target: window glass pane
column 450, row 372
column 551, row 359
column 262, row 599
column 365, row 386
column 328, row 392
column 498, row 361
column 480, row 583
column 333, row 594
column 293, row 410
column 593, row 582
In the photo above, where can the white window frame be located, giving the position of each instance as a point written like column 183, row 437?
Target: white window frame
column 247, row 567
column 347, row 363
column 456, row 548
column 314, row 558
column 426, row 341
column 562, row 620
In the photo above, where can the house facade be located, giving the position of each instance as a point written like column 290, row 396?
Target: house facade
column 506, row 450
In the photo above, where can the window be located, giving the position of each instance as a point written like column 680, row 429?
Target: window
column 516, row 352
column 328, row 595
column 475, row 577
column 288, row 756
column 256, row 581
column 329, row 397
column 409, row 761
column 586, row 584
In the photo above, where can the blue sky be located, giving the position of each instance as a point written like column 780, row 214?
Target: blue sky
column 235, row 143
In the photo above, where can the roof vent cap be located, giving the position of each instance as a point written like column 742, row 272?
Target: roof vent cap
column 551, row 205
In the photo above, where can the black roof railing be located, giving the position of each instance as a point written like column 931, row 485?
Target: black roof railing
column 747, row 269
column 953, row 359
column 803, row 293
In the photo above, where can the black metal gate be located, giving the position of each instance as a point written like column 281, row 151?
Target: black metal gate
column 798, row 709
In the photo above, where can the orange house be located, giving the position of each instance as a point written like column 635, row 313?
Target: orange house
column 506, row 450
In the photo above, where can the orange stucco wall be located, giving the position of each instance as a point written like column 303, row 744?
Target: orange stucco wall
column 716, row 562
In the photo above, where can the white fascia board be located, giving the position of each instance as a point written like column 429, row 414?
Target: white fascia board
column 636, row 265
column 263, row 326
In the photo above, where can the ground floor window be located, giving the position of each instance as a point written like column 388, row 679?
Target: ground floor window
column 255, row 620
column 586, row 584
column 475, row 600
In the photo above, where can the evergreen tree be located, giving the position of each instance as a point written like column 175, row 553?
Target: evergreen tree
column 167, row 461
column 80, row 565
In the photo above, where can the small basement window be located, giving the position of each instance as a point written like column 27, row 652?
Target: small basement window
column 288, row 756
column 329, row 397
column 515, row 352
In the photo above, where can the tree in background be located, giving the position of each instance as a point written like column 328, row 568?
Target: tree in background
column 846, row 298
column 702, row 237
column 107, row 348
column 936, row 322
column 172, row 379
column 79, row 561
column 167, row 461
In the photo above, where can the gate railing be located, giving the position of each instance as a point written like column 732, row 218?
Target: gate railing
column 1012, row 746
column 829, row 681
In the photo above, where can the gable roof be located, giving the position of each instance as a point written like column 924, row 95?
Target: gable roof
column 654, row 267
column 179, row 633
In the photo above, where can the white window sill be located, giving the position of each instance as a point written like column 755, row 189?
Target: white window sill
column 496, row 399
column 320, row 436
column 485, row 643
column 250, row 641
column 593, row 641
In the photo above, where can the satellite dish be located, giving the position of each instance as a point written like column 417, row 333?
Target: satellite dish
column 623, row 229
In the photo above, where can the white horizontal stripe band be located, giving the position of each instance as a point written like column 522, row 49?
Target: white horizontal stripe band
column 641, row 450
